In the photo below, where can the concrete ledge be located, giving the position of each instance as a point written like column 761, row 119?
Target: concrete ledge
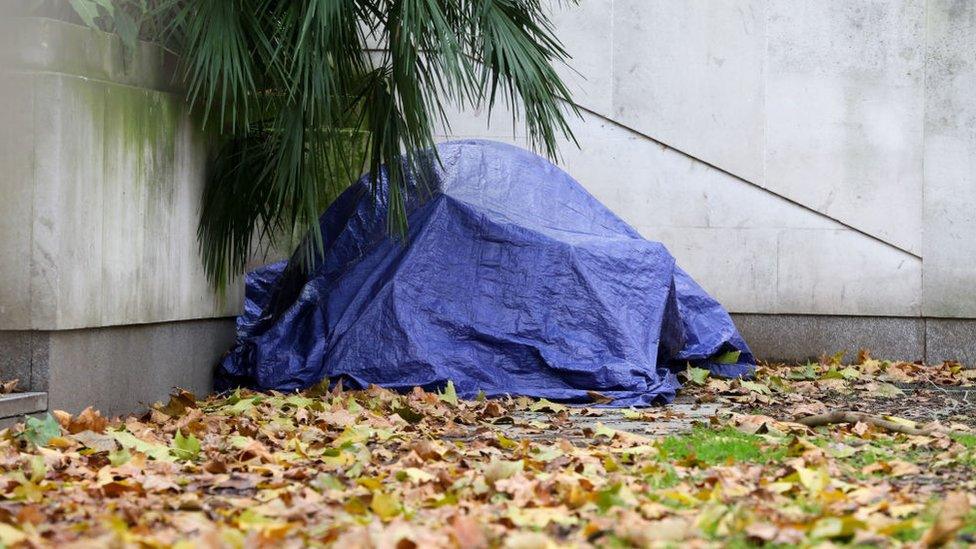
column 20, row 404
column 797, row 338
column 15, row 407
column 117, row 369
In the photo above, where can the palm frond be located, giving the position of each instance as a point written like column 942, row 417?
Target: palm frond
column 298, row 87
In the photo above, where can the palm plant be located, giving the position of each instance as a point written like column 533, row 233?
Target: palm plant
column 308, row 93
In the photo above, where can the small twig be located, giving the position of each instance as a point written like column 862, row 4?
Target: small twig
column 847, row 416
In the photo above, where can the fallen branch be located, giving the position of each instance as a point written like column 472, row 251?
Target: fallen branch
column 847, row 416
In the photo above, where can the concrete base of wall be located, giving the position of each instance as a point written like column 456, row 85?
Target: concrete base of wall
column 796, row 338
column 124, row 369
column 118, row 369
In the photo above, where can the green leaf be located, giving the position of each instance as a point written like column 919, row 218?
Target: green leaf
column 185, row 448
column 756, row 387
column 242, row 406
column 609, row 497
column 155, row 451
column 729, row 357
column 127, row 29
column 325, row 481
column 698, row 376
column 449, row 395
column 409, row 415
column 40, row 431
column 108, row 6
column 809, row 372
column 87, row 10
column 119, row 457
column 832, row 373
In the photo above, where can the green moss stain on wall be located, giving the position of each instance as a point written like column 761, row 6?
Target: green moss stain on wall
column 144, row 125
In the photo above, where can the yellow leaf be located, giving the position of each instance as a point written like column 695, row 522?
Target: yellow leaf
column 602, row 430
column 834, row 527
column 780, row 487
column 10, row 535
column 384, row 505
column 417, row 476
column 540, row 517
column 506, row 442
column 543, row 405
column 901, row 421
column 814, row 480
column 680, row 497
column 371, row 483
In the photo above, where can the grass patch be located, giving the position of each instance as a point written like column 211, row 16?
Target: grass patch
column 967, row 440
column 970, row 525
column 712, row 447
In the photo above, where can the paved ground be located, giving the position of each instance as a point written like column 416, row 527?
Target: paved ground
column 580, row 426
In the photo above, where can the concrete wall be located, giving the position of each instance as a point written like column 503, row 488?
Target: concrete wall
column 103, row 170
column 809, row 162
column 801, row 157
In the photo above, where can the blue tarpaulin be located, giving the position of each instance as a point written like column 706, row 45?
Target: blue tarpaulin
column 512, row 279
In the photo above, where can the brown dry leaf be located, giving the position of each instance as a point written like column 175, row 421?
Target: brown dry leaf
column 763, row 531
column 88, row 420
column 99, row 442
column 468, row 533
column 810, row 408
column 341, row 468
column 902, row 468
column 951, row 518
column 599, row 398
column 7, row 387
column 753, row 424
column 63, row 418
column 426, row 449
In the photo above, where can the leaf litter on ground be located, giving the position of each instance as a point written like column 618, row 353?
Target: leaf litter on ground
column 374, row 468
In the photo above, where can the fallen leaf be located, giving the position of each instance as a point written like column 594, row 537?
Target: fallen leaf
column 88, row 420
column 949, row 520
column 499, row 469
column 449, row 395
column 384, row 505
column 10, row 536
column 96, row 441
column 698, row 376
column 543, row 405
column 40, row 431
column 756, row 387
column 185, row 447
column 8, row 387
column 467, row 533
